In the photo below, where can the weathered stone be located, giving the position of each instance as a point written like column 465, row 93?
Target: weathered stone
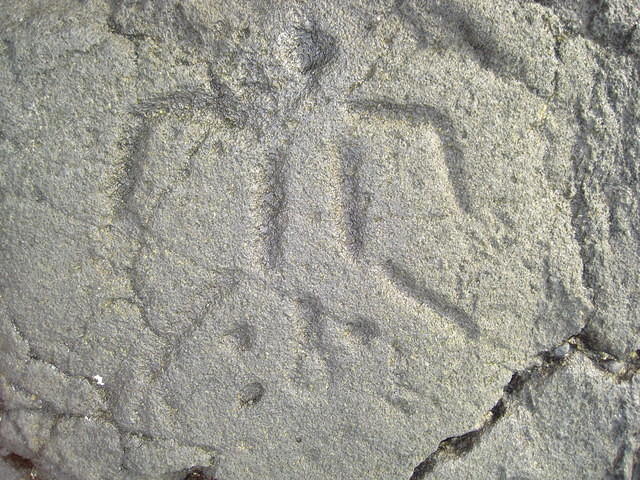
column 577, row 423
column 274, row 240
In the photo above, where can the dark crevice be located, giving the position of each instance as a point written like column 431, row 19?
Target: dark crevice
column 622, row 369
column 21, row 464
column 551, row 360
column 200, row 473
column 458, row 446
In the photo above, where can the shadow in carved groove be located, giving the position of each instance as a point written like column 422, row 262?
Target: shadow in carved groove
column 443, row 125
column 273, row 207
column 355, row 202
column 411, row 287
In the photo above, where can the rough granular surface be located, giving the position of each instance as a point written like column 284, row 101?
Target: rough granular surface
column 362, row 239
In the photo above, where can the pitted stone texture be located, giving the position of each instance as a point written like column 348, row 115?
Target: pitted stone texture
column 578, row 423
column 295, row 241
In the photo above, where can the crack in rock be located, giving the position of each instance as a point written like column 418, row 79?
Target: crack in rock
column 551, row 360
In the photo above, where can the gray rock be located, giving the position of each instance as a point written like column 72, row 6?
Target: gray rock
column 312, row 240
column 577, row 423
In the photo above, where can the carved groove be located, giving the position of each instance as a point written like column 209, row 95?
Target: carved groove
column 410, row 286
column 181, row 100
column 415, row 112
column 273, row 208
column 355, row 202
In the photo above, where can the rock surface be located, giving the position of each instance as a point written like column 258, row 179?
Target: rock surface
column 253, row 239
column 568, row 420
